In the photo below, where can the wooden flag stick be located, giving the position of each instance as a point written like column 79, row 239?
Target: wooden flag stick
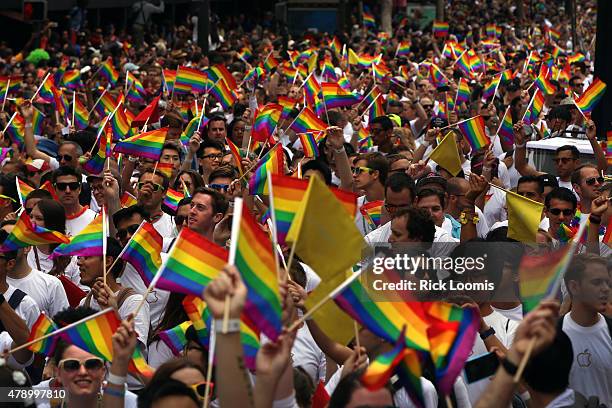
column 8, row 86
column 10, row 121
column 110, row 268
column 37, row 90
column 104, row 244
column 274, row 227
column 211, row 361
column 96, row 104
column 231, row 259
column 73, row 107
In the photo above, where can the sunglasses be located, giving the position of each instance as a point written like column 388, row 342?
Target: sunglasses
column 200, row 389
column 156, row 187
column 72, row 364
column 392, row 207
column 592, row 180
column 358, row 170
column 75, row 185
column 427, row 106
column 562, row 160
column 219, row 187
column 556, row 211
column 123, row 232
column 64, row 157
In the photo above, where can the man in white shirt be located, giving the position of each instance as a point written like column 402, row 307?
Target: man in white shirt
column 588, row 282
column 152, row 188
column 586, row 182
column 369, row 175
column 67, row 183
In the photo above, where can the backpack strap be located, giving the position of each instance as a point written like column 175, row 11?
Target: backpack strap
column 609, row 323
column 123, row 294
column 14, row 302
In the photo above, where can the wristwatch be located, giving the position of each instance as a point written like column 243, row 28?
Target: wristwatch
column 487, row 333
column 509, row 366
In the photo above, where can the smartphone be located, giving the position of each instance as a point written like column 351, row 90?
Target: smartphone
column 479, row 367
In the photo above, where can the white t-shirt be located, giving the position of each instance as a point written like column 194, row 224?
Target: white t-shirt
column 482, row 228
column 46, row 264
column 157, row 299
column 165, row 226
column 516, row 313
column 504, row 331
column 130, row 400
column 306, row 354
column 28, row 309
column 362, row 225
column 76, row 225
column 159, row 353
column 45, row 289
column 591, row 372
column 568, row 185
column 312, row 279
column 495, row 206
column 6, row 343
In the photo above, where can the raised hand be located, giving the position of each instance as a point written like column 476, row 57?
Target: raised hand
column 228, row 283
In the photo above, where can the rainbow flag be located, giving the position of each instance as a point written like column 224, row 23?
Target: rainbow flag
column 538, row 275
column 172, row 199
column 409, row 372
column 403, row 49
column 289, row 193
column 16, row 131
column 368, row 19
column 169, row 77
column 143, row 251
column 94, row 336
column 245, row 53
column 270, row 63
column 288, row 105
column 376, row 110
column 108, row 71
column 381, row 369
column 5, row 152
column 81, row 114
column 255, row 261
column 372, row 97
column 15, row 83
column 190, row 80
column 505, row 131
column 336, row 97
column 587, row 101
column 224, row 95
column 372, row 212
column 192, row 263
column 45, row 92
column 544, row 84
column 311, row 89
column 609, row 147
column 136, row 91
column 88, row 242
column 72, row 79
column 199, row 315
column 437, row 77
column 43, row 326
column 23, row 190
column 218, row 71
column 121, row 124
column 165, row 168
column 463, row 92
column 148, row 144
column 473, row 130
column 175, row 338
column 507, row 75
column 440, row 28
column 491, row 88
column 250, row 340
column 578, row 57
column 385, row 318
column 309, row 144
column 26, row 233
column 95, row 165
column 464, row 64
column 327, row 69
column 235, row 154
column 105, row 105
column 60, row 102
column 274, row 162
column 192, row 127
column 534, row 109
column 128, row 200
column 266, row 120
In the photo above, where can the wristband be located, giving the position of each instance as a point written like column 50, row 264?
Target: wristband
column 487, row 333
column 233, row 326
column 114, row 393
column 595, row 219
column 510, row 367
column 28, row 125
column 116, row 379
column 133, row 159
column 520, row 145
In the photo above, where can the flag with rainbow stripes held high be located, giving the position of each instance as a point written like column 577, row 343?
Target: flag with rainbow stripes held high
column 88, row 242
column 175, row 338
column 224, row 95
column 473, row 130
column 190, row 80
column 589, row 99
column 26, row 233
column 309, row 144
column 147, row 145
column 95, row 165
column 143, row 251
column 266, row 120
column 440, row 28
column 108, row 71
column 172, row 199
column 81, row 114
column 273, row 162
column 42, row 327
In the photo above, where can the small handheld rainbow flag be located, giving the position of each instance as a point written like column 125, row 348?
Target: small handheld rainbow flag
column 403, row 49
column 505, row 131
column 148, row 144
column 381, row 369
column 95, row 165
column 335, row 96
column 192, row 263
column 219, row 71
column 368, row 19
column 43, row 326
column 587, row 101
column 440, row 28
column 224, row 95
column 199, row 316
column 86, row 243
column 273, row 162
column 108, row 71
column 23, row 190
column 609, row 147
column 372, row 212
column 309, row 144
column 190, row 80
column 172, row 199
column 72, row 79
column 81, row 114
column 251, row 252
column 120, row 123
column 169, row 77
column 535, row 108
column 473, row 130
column 544, row 84
column 128, row 200
column 16, row 131
column 143, row 251
column 175, row 338
column 265, row 122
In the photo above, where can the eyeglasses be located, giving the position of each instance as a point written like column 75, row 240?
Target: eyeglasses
column 7, row 198
column 200, row 389
column 358, row 170
column 592, row 180
column 217, row 156
column 75, row 185
column 123, row 232
column 72, row 364
column 64, row 157
column 563, row 160
column 393, row 207
column 156, row 187
column 556, row 211
column 179, row 219
column 219, row 187
column 577, row 85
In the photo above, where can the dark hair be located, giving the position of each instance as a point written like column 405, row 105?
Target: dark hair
column 303, row 385
column 532, row 179
column 560, row 112
column 548, row 371
column 164, row 373
column 321, row 167
column 113, row 249
column 428, row 192
column 38, row 193
column 174, row 314
column 167, row 388
column 219, row 202
column 165, row 180
column 170, row 145
column 376, row 161
column 419, row 224
column 172, row 118
column 9, row 189
column 206, row 143
column 576, row 177
column 129, row 212
column 67, row 171
column 223, row 171
column 383, row 121
column 3, row 236
column 345, row 389
column 400, row 181
column 297, row 274
column 64, row 318
column 563, row 194
column 196, row 179
column 53, row 213
column 573, row 149
column 578, row 265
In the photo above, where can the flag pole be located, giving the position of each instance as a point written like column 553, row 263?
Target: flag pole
column 73, row 106
column 11, row 120
column 60, row 330
column 96, row 104
column 231, row 259
column 8, row 86
column 274, row 230
column 110, row 268
column 37, row 90
column 104, row 245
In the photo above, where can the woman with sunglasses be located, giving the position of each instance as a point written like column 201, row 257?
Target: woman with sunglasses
column 179, row 369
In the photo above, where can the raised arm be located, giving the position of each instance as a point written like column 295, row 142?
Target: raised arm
column 520, row 152
column 27, row 111
column 17, row 328
column 600, row 156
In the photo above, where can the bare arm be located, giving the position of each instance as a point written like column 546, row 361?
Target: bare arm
column 478, row 184
column 520, row 152
column 17, row 328
column 27, row 110
column 343, row 166
column 600, row 156
column 598, row 207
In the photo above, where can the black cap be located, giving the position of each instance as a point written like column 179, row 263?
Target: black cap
column 548, row 180
column 431, row 178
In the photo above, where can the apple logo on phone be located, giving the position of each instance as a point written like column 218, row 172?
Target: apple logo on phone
column 584, row 359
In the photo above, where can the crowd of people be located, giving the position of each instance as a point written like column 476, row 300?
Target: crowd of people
column 402, row 93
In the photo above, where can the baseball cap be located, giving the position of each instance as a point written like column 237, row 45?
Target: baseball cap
column 431, row 178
